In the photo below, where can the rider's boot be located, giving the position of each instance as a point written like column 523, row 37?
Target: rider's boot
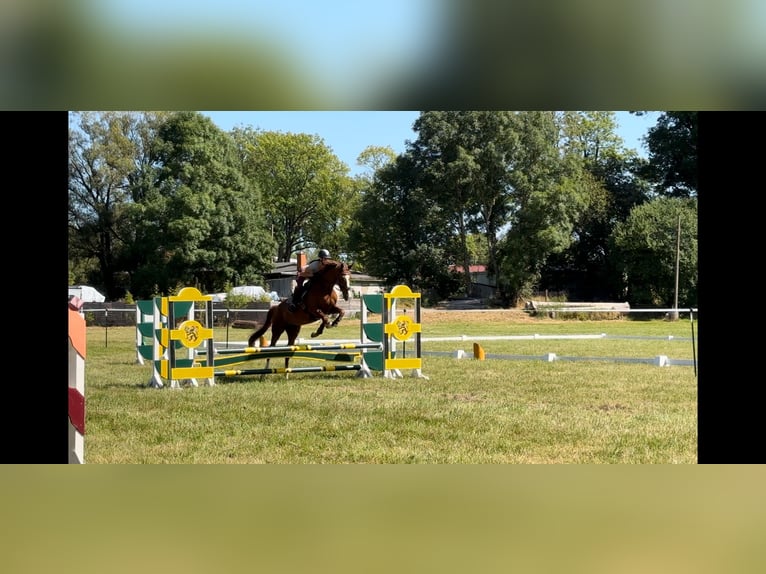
column 297, row 297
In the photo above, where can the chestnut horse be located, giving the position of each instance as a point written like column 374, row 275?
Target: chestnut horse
column 319, row 303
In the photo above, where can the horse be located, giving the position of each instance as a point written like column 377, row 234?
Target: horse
column 319, row 303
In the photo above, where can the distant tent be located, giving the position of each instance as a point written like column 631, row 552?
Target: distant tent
column 254, row 291
column 86, row 293
column 249, row 290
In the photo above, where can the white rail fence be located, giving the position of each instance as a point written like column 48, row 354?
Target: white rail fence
column 659, row 360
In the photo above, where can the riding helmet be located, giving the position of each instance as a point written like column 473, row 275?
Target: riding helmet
column 324, row 253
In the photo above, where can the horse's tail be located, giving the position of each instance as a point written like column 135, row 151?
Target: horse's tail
column 265, row 327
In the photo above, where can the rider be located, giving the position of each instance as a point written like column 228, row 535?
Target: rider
column 307, row 272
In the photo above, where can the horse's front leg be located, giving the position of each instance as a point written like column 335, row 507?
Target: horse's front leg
column 323, row 322
column 340, row 312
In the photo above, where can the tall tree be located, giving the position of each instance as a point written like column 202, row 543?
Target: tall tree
column 672, row 144
column 400, row 234
column 104, row 148
column 477, row 172
column 647, row 247
column 591, row 135
column 467, row 158
column 375, row 157
column 309, row 195
column 200, row 222
column 586, row 268
column 550, row 192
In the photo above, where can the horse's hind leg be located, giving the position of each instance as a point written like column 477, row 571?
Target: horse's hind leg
column 292, row 334
column 276, row 333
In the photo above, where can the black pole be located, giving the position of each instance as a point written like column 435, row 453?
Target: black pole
column 227, row 327
column 106, row 327
column 694, row 349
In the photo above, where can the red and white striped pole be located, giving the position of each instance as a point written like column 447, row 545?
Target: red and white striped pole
column 77, row 341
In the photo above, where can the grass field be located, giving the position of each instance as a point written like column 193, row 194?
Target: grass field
column 466, row 411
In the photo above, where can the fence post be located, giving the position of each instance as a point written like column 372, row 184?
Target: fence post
column 77, row 345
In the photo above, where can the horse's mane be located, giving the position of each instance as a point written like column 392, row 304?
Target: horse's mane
column 331, row 271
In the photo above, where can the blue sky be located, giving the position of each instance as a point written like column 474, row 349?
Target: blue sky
column 349, row 48
column 347, row 52
column 349, row 133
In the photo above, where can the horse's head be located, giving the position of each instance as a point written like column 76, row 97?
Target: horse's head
column 340, row 273
column 344, row 280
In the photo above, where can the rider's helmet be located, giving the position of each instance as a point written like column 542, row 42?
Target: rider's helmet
column 324, row 253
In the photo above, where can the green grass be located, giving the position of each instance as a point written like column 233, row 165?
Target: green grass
column 467, row 411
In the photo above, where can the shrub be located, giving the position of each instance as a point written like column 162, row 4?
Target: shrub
column 237, row 301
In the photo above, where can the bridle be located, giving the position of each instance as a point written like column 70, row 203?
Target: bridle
column 344, row 279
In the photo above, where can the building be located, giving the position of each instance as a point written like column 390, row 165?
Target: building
column 482, row 285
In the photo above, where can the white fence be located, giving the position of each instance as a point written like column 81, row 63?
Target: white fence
column 660, row 360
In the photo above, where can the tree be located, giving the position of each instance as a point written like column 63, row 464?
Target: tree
column 472, row 173
column 477, row 249
column 309, row 196
column 467, row 158
column 375, row 157
column 104, row 150
column 586, row 268
column 646, row 248
column 672, row 147
column 199, row 221
column 550, row 192
column 590, row 135
column 400, row 234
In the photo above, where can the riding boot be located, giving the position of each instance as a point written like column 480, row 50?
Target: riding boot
column 297, row 296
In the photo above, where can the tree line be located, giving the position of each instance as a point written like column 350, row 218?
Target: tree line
column 544, row 199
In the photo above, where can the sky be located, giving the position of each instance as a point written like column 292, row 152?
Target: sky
column 398, row 54
column 313, row 35
column 349, row 133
